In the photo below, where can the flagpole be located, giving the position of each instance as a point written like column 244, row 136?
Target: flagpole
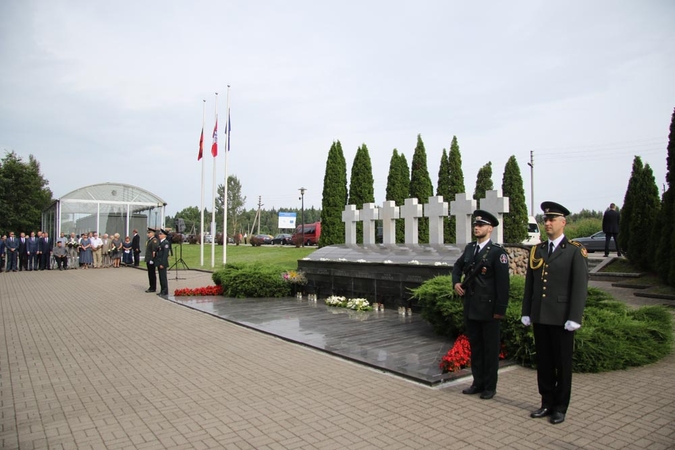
column 213, row 202
column 228, row 130
column 201, row 232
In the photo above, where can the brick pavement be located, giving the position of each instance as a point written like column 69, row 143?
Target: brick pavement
column 90, row 361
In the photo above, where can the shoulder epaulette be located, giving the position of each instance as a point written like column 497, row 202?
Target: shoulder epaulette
column 584, row 253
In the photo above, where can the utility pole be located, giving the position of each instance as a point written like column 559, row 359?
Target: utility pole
column 302, row 213
column 259, row 215
column 531, row 164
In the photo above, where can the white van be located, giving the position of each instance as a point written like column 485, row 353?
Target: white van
column 533, row 233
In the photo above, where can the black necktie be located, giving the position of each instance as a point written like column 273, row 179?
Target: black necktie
column 477, row 250
column 550, row 249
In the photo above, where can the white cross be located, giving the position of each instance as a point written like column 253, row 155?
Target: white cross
column 410, row 212
column 436, row 210
column 389, row 213
column 369, row 214
column 496, row 205
column 462, row 207
column 350, row 216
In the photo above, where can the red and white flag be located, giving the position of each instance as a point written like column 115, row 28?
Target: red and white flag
column 214, row 147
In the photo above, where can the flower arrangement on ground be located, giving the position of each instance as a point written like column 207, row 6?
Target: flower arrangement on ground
column 206, row 291
column 459, row 356
column 355, row 304
column 294, row 277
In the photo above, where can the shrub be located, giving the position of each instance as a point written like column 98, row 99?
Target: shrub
column 583, row 227
column 612, row 336
column 251, row 280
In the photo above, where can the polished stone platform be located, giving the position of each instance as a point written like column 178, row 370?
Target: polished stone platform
column 402, row 345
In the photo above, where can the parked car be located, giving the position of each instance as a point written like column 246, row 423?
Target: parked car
column 312, row 233
column 595, row 242
column 283, row 239
column 264, row 238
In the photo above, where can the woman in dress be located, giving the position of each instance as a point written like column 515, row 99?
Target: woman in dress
column 116, row 247
column 127, row 256
column 86, row 254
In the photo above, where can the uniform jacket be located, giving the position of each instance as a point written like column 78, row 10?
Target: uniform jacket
column 162, row 258
column 556, row 286
column 610, row 221
column 490, row 292
column 151, row 246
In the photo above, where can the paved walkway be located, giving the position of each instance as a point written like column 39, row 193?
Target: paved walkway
column 89, row 361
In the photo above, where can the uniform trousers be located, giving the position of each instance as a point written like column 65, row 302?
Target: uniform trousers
column 554, row 346
column 163, row 281
column 484, row 340
column 152, row 277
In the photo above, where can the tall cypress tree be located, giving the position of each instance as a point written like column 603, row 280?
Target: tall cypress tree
column 398, row 186
column 641, row 244
column 665, row 260
column 443, row 189
column 420, row 186
column 456, row 187
column 334, row 197
column 361, row 185
column 483, row 182
column 515, row 222
column 629, row 201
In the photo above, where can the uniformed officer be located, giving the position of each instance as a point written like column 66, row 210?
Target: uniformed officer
column 150, row 253
column 556, row 285
column 162, row 262
column 485, row 288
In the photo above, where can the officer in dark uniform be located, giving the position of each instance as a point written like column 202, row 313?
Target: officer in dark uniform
column 150, row 252
column 485, row 288
column 162, row 262
column 556, row 285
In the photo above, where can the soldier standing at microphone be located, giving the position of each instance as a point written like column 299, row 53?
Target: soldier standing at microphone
column 485, row 289
column 162, row 262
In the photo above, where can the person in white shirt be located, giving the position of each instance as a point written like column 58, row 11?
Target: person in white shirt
column 96, row 245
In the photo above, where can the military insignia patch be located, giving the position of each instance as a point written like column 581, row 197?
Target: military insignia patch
column 582, row 249
column 503, row 259
column 166, row 245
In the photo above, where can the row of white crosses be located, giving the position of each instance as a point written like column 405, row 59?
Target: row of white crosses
column 436, row 210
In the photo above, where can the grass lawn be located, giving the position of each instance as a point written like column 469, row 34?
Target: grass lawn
column 285, row 256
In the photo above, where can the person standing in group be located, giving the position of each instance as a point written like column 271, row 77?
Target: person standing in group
column 12, row 245
column 150, row 252
column 485, row 292
column 610, row 226
column 45, row 251
column 96, row 249
column 32, row 248
column 73, row 246
column 3, row 248
column 127, row 252
column 556, row 285
column 86, row 256
column 162, row 262
column 23, row 252
column 136, row 248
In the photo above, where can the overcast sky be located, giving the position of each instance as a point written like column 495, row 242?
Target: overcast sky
column 113, row 91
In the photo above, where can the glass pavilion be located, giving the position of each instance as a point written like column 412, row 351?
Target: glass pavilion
column 106, row 208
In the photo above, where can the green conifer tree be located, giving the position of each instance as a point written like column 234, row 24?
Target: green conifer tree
column 361, row 185
column 420, row 186
column 629, row 201
column 641, row 244
column 443, row 189
column 664, row 228
column 456, row 187
column 334, row 197
column 398, row 185
column 515, row 221
column 483, row 182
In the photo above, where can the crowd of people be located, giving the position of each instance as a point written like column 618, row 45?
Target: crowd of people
column 39, row 251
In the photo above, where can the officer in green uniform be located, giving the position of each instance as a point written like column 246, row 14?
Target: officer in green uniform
column 481, row 277
column 162, row 262
column 556, row 286
column 150, row 253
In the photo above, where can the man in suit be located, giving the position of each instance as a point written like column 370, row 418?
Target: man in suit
column 33, row 263
column 162, row 262
column 610, row 226
column 23, row 252
column 3, row 249
column 556, row 285
column 485, row 289
column 150, row 253
column 45, row 249
column 12, row 245
column 136, row 248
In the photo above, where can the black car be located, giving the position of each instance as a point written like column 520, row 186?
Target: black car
column 595, row 242
column 282, row 239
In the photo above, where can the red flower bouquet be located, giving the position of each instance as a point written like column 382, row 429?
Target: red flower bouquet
column 459, row 356
column 204, row 291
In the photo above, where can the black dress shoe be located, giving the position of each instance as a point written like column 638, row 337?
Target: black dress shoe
column 472, row 390
column 557, row 417
column 487, row 395
column 541, row 412
column 149, row 290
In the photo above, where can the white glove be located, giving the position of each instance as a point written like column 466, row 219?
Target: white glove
column 571, row 325
column 151, row 262
column 526, row 321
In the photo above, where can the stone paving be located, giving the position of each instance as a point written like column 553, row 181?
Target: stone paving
column 90, row 361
